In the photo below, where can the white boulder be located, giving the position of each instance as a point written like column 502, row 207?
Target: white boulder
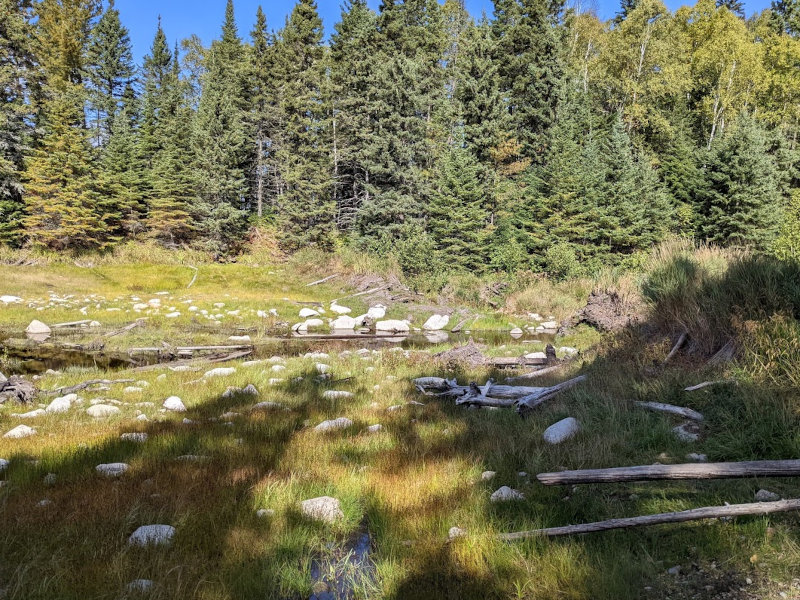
column 324, row 508
column 137, row 436
column 506, row 494
column 334, row 424
column 220, row 372
column 112, row 469
column 19, row 432
column 3, row 464
column 306, row 312
column 102, row 410
column 393, row 326
column 561, row 431
column 436, row 322
column 376, row 311
column 37, row 328
column 61, row 404
column 174, row 404
column 343, row 323
column 336, row 394
column 152, row 535
column 340, row 310
column 10, row 299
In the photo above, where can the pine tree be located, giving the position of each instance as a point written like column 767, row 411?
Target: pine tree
column 156, row 71
column 530, row 64
column 221, row 149
column 305, row 206
column 352, row 80
column 62, row 211
column 741, row 205
column 786, row 16
column 111, row 70
column 735, row 6
column 457, row 218
column 17, row 73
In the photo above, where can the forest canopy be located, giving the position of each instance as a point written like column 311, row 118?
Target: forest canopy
column 542, row 138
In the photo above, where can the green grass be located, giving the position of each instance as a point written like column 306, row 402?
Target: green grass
column 406, row 485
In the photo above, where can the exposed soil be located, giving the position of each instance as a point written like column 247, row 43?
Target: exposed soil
column 605, row 310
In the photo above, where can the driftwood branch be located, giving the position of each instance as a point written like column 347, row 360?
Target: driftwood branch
column 705, row 384
column 196, row 272
column 681, row 341
column 531, row 401
column 722, row 470
column 364, row 293
column 189, row 361
column 129, row 327
column 537, row 373
column 328, row 278
column 672, row 409
column 83, row 385
column 708, row 512
column 498, row 396
column 180, row 349
column 71, row 324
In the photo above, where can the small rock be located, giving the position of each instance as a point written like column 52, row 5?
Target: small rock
column 324, row 508
column 375, row 428
column 152, row 535
column 561, row 431
column 393, row 326
column 340, row 310
column 536, row 356
column 239, row 338
column 516, row 333
column 334, row 424
column 436, row 322
column 102, row 410
column 687, row 432
column 37, row 328
column 61, row 404
column 265, row 513
column 506, row 494
column 376, row 311
column 174, row 404
column 278, row 368
column 250, row 390
column 766, row 496
column 488, row 475
column 29, row 415
column 10, row 299
column 305, row 313
column 173, row 315
column 336, row 394
column 3, row 464
column 139, row 437
column 343, row 323
column 142, row 418
column 456, row 532
column 268, row 406
column 112, row 469
column 140, row 586
column 220, row 372
column 131, row 389
column 19, row 432
column 50, row 479
column 322, row 368
column 676, row 570
column 697, row 457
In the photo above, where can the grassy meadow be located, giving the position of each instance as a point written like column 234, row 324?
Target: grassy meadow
column 209, row 470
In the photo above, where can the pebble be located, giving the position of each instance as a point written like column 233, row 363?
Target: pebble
column 50, row 479
column 264, row 513
column 268, row 406
column 375, row 428
column 763, row 495
column 676, row 570
column 488, row 475
column 152, row 535
column 456, row 532
column 336, row 394
column 686, row 432
column 220, row 372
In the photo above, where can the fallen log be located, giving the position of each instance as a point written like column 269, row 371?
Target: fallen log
column 71, row 324
column 83, row 385
column 531, row 401
column 516, row 361
column 530, row 398
column 18, row 389
column 705, row 384
column 708, row 512
column 720, row 470
column 377, row 289
column 134, row 325
column 459, row 327
column 672, row 409
column 537, row 373
column 194, row 278
column 328, row 278
column 180, row 349
column 681, row 341
column 190, row 361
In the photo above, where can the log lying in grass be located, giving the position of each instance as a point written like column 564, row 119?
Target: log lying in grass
column 189, row 361
column 129, row 327
column 318, row 281
column 705, row 384
column 708, row 512
column 194, row 277
column 83, row 385
column 681, row 341
column 721, row 470
column 437, row 386
column 516, row 361
column 537, row 373
column 681, row 411
column 180, row 349
column 71, row 324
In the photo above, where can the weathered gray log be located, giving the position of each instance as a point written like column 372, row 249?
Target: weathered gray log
column 720, row 470
column 71, row 324
column 672, row 409
column 194, row 278
column 318, row 281
column 189, row 361
column 460, row 326
column 443, row 387
column 533, row 397
column 676, row 347
column 83, row 385
column 708, row 512
column 705, row 384
column 516, row 361
column 179, row 349
column 129, row 327
column 531, row 401
column 18, row 389
column 537, row 373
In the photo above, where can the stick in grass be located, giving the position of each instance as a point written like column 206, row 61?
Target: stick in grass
column 681, row 411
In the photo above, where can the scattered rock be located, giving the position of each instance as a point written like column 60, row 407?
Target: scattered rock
column 436, row 322
column 324, row 508
column 336, row 394
column 174, row 404
column 50, row 479
column 131, row 389
column 456, row 532
column 29, row 415
column 340, row 310
column 308, row 312
column 687, row 432
column 334, row 424
column 102, row 410
column 343, row 323
column 220, row 372
column 265, row 513
column 393, row 326
column 375, row 428
column 766, row 496
column 676, row 570
column 61, row 404
column 536, row 356
column 268, row 406
column 506, row 494
column 140, row 586
column 152, row 535
column 697, row 457
column 139, row 437
column 10, row 299
column 112, row 469
column 561, row 431
column 488, row 475
column 37, row 328
column 3, row 464
column 19, row 432
column 322, row 368
column 376, row 311
column 239, row 338
column 469, row 355
column 250, row 390
column 516, row 332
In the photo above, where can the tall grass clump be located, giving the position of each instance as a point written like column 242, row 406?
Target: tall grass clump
column 711, row 292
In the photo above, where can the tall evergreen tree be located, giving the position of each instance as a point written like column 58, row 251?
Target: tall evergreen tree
column 741, row 205
column 17, row 74
column 111, row 70
column 220, row 141
column 305, row 206
column 735, row 6
column 786, row 16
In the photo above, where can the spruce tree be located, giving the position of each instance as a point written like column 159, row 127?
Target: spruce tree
column 17, row 73
column 305, row 206
column 785, row 16
column 457, row 218
column 220, row 141
column 735, row 6
column 741, row 204
column 111, row 70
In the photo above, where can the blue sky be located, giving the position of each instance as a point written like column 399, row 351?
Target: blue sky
column 181, row 18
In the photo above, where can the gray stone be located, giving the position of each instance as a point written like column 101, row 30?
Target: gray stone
column 488, row 475
column 687, row 432
column 697, row 457
column 250, row 390
column 456, row 532
column 174, row 404
column 220, row 372
column 268, row 406
column 506, row 494
column 29, row 415
column 766, row 496
column 305, row 313
column 140, row 586
column 340, row 310
column 334, row 424
column 676, row 570
column 61, row 404
column 139, row 437
column 375, row 428
column 336, row 394
column 377, row 311
column 393, row 326
column 152, row 535
column 561, row 431
column 324, row 508
column 50, row 479
column 265, row 513
column 436, row 322
column 19, row 432
column 343, row 323
column 102, row 410
column 37, row 328
column 112, row 469
column 3, row 464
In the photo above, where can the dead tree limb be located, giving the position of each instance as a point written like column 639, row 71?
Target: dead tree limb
column 196, row 272
column 708, row 512
column 721, row 470
column 328, row 278
column 71, row 324
column 681, row 341
column 672, row 409
column 129, row 327
column 83, row 385
column 705, row 384
column 537, row 373
column 190, row 361
column 531, row 401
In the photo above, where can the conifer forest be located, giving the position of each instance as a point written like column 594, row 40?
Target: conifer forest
column 538, row 137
